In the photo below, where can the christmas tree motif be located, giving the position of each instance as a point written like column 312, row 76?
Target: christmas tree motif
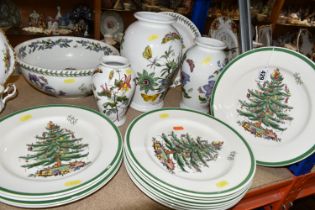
column 185, row 151
column 266, row 108
column 54, row 150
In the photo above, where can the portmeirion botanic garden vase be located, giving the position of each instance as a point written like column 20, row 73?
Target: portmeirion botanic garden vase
column 154, row 48
column 201, row 66
column 113, row 87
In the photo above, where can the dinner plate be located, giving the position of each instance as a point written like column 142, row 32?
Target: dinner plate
column 267, row 95
column 170, row 199
column 44, row 199
column 111, row 23
column 188, row 32
column 136, row 172
column 57, row 148
column 65, row 199
column 225, row 29
column 210, row 157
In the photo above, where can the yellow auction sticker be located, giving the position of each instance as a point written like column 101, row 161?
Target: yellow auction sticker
column 206, row 60
column 222, row 184
column 69, row 81
column 164, row 115
column 153, row 37
column 25, row 118
column 72, row 183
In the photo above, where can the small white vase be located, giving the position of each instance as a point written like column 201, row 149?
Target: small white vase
column 201, row 66
column 113, row 87
column 154, row 48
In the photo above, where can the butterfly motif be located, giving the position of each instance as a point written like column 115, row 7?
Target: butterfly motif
column 191, row 64
column 170, row 37
column 147, row 53
column 149, row 97
column 111, row 74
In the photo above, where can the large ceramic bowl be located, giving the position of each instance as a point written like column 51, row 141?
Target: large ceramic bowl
column 61, row 65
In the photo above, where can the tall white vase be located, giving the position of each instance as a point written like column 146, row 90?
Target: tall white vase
column 201, row 66
column 113, row 87
column 153, row 47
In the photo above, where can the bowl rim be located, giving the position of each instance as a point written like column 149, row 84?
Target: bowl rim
column 60, row 72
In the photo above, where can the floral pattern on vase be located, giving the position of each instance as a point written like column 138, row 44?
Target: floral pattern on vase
column 114, row 87
column 201, row 67
column 153, row 47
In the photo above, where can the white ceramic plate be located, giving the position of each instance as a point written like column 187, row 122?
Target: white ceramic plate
column 169, row 192
column 65, row 199
column 274, row 115
column 111, row 23
column 171, row 200
column 188, row 31
column 40, row 199
column 225, row 29
column 221, row 175
column 101, row 142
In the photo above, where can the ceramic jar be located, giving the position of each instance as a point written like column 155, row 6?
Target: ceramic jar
column 113, row 87
column 201, row 66
column 7, row 59
column 154, row 48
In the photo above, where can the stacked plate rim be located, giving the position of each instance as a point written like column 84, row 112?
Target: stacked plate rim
column 184, row 159
column 91, row 156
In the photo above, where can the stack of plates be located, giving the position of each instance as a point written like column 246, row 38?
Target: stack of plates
column 57, row 154
column 188, row 160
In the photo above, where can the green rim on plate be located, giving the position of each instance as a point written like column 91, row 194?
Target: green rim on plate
column 117, row 153
column 66, row 199
column 305, row 59
column 134, row 122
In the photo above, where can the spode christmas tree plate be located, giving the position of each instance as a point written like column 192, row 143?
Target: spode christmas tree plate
column 87, row 190
column 58, row 148
column 189, row 152
column 65, row 195
column 170, row 198
column 137, row 172
column 266, row 94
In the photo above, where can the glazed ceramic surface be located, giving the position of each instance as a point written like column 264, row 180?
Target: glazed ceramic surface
column 167, row 154
column 188, row 32
column 6, row 94
column 225, row 29
column 114, row 86
column 270, row 102
column 61, row 65
column 7, row 59
column 153, row 47
column 82, row 160
column 201, row 66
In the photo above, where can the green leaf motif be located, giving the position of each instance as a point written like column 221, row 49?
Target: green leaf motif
column 185, row 151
